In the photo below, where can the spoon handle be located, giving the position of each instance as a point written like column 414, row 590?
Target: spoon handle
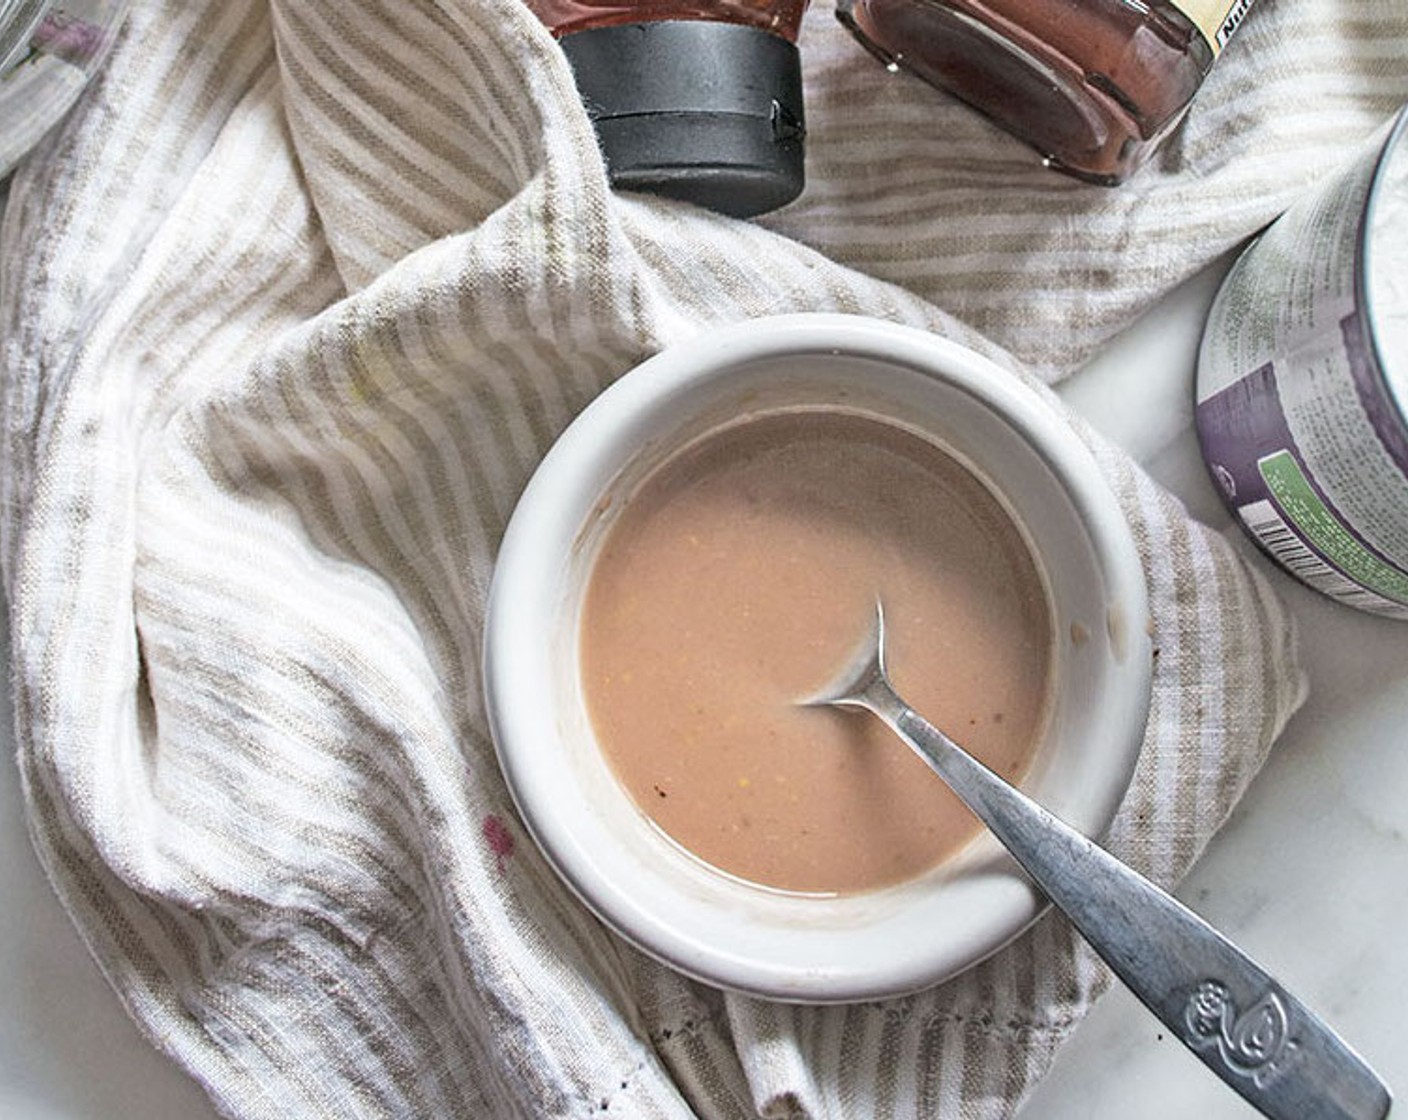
column 1224, row 1007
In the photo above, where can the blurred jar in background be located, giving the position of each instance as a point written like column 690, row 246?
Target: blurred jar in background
column 699, row 100
column 48, row 52
column 1094, row 85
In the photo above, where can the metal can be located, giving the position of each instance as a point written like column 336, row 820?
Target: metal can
column 1302, row 384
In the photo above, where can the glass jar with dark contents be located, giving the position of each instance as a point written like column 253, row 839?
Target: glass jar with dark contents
column 1093, row 85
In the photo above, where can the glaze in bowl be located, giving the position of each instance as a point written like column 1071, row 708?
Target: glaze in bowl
column 720, row 929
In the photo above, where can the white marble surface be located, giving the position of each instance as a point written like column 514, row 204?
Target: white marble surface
column 1310, row 875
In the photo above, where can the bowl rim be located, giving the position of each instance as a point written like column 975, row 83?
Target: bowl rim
column 705, row 356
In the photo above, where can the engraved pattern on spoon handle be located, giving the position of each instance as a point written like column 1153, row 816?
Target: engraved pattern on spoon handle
column 1257, row 1037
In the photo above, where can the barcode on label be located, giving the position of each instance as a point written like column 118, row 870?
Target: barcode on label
column 1284, row 543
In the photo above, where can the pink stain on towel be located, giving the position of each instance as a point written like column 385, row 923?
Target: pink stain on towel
column 499, row 838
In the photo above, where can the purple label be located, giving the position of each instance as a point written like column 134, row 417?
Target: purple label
column 1237, row 427
column 1244, row 424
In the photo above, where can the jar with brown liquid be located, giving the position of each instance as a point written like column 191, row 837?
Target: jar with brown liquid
column 1094, row 85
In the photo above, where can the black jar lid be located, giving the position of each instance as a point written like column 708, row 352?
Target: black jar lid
column 698, row 110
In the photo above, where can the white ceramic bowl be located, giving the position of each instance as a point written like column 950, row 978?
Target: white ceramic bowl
column 719, row 929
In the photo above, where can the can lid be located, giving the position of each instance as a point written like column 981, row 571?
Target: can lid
column 703, row 111
column 1381, row 278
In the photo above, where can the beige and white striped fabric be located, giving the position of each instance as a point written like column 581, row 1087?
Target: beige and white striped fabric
column 290, row 309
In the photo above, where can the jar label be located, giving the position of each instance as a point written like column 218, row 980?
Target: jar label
column 1216, row 19
column 1306, row 439
column 1269, row 478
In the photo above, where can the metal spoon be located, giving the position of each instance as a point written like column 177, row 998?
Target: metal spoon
column 1249, row 1030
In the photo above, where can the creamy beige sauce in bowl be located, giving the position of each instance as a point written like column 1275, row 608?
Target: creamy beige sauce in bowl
column 740, row 576
column 824, row 936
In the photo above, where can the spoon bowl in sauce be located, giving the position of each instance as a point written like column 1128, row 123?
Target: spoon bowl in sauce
column 1244, row 1026
column 692, row 554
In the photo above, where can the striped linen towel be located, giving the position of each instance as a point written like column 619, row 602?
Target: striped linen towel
column 292, row 306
